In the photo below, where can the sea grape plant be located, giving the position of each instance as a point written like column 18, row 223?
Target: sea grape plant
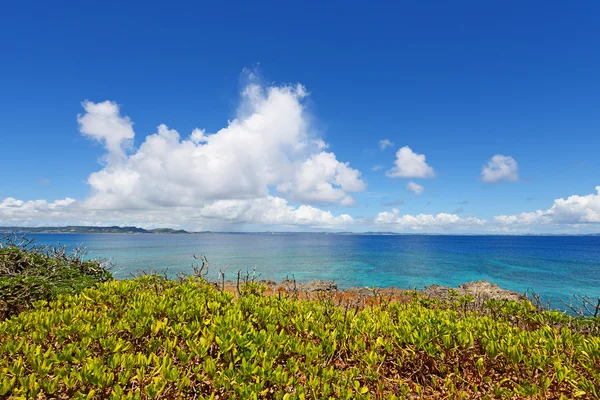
column 150, row 338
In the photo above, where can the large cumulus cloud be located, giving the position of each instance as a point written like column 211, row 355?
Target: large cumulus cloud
column 269, row 144
column 265, row 167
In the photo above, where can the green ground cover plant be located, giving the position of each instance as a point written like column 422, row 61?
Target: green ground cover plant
column 150, row 337
column 29, row 273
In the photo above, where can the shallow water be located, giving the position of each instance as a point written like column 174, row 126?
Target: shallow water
column 554, row 266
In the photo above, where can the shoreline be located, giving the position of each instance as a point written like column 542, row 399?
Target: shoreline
column 480, row 291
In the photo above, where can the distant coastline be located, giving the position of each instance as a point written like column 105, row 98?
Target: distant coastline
column 88, row 229
column 77, row 229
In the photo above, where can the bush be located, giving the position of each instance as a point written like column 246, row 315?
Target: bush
column 29, row 273
column 154, row 338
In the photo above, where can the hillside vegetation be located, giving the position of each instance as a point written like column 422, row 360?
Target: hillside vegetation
column 29, row 273
column 154, row 338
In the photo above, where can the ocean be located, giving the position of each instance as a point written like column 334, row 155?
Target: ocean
column 553, row 266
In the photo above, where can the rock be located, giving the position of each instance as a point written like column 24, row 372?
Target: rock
column 361, row 291
column 439, row 292
column 483, row 290
column 487, row 290
column 311, row 286
column 318, row 286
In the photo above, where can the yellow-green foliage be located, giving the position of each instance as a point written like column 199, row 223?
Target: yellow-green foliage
column 152, row 338
column 29, row 273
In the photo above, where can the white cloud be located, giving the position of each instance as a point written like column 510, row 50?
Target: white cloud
column 572, row 210
column 575, row 214
column 410, row 165
column 269, row 144
column 13, row 211
column 500, row 168
column 377, row 167
column 524, row 218
column 268, row 211
column 10, row 206
column 580, row 214
column 385, row 143
column 321, row 145
column 415, row 187
column 387, row 217
column 427, row 221
column 577, row 209
column 323, row 178
column 103, row 122
column 272, row 211
column 206, row 179
column 198, row 136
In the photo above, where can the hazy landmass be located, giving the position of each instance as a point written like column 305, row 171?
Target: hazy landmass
column 87, row 229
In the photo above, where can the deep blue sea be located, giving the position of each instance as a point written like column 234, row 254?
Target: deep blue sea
column 554, row 266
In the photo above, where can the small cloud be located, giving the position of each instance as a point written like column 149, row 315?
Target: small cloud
column 385, row 143
column 410, row 165
column 321, row 144
column 44, row 181
column 500, row 168
column 464, row 203
column 415, row 187
column 427, row 221
column 459, row 210
column 377, row 167
column 393, row 203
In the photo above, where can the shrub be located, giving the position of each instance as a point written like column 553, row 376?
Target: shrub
column 29, row 273
column 154, row 338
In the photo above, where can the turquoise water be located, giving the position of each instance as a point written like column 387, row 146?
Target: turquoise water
column 551, row 265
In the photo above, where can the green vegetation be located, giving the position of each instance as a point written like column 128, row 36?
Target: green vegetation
column 29, row 273
column 154, row 338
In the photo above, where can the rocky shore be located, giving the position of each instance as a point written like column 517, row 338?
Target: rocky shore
column 483, row 290
column 480, row 290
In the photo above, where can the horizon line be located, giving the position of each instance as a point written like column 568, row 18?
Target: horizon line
column 14, row 230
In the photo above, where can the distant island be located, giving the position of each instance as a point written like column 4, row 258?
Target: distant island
column 87, row 229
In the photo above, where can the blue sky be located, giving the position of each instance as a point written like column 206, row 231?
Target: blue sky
column 457, row 83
